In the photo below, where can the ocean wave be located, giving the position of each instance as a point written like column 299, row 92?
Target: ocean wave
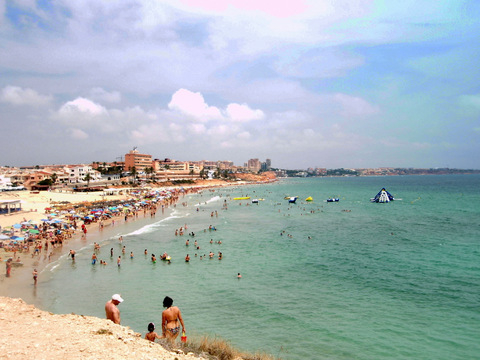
column 215, row 198
column 152, row 227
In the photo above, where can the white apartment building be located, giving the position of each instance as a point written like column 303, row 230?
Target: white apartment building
column 5, row 182
column 77, row 174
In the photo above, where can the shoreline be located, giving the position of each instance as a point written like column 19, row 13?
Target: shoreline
column 21, row 281
column 20, row 284
column 23, row 291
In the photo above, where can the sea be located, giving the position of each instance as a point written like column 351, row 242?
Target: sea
column 345, row 280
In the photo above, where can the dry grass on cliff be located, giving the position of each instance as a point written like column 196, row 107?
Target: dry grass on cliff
column 217, row 348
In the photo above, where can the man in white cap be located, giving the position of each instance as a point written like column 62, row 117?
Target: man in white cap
column 111, row 309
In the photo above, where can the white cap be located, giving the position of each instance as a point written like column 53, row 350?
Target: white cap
column 117, row 297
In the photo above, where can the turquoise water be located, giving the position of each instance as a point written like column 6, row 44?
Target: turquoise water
column 379, row 281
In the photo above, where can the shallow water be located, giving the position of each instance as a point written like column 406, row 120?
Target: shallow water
column 389, row 281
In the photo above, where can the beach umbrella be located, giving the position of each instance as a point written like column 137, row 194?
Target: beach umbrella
column 33, row 231
column 53, row 214
column 45, row 220
column 17, row 226
column 17, row 238
column 4, row 237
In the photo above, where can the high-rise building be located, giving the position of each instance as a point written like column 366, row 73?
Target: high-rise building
column 140, row 161
column 254, row 165
column 268, row 163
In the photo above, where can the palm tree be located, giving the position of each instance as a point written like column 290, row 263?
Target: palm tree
column 133, row 172
column 54, row 178
column 87, row 178
column 152, row 171
column 148, row 170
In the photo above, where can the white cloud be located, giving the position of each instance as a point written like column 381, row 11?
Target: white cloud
column 84, row 114
column 237, row 112
column 82, row 105
column 79, row 134
column 194, row 105
column 198, row 128
column 103, row 95
column 18, row 96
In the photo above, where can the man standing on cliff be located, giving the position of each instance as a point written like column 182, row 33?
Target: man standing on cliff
column 111, row 309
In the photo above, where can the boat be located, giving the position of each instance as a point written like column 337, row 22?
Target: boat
column 333, row 200
column 292, row 199
column 242, row 198
column 309, row 199
column 383, row 196
column 255, row 201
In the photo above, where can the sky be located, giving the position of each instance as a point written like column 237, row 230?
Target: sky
column 305, row 83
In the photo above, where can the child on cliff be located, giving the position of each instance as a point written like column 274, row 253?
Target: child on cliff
column 152, row 335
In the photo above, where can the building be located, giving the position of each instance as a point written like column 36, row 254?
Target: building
column 137, row 160
column 268, row 164
column 5, row 182
column 175, row 170
column 254, row 165
column 34, row 178
column 78, row 173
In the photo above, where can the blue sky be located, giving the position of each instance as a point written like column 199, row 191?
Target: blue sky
column 311, row 83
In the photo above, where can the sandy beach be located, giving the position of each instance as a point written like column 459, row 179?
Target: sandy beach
column 34, row 207
column 34, row 210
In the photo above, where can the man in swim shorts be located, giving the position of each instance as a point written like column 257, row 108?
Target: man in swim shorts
column 171, row 320
column 111, row 309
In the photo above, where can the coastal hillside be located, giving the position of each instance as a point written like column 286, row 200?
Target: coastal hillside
column 262, row 177
column 29, row 333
